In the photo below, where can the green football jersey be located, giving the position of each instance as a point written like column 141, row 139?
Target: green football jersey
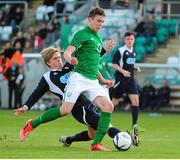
column 88, row 49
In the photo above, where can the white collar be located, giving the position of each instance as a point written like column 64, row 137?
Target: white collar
column 130, row 50
column 55, row 69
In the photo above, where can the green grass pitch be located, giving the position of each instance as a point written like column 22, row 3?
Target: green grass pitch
column 160, row 140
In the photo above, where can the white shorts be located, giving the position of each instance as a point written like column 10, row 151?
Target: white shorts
column 78, row 84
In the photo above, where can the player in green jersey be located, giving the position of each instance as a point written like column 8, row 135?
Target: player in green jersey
column 86, row 46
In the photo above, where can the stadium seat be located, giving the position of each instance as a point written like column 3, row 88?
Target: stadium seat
column 1, row 28
column 139, row 58
column 140, row 41
column 160, row 71
column 50, row 9
column 7, row 29
column 41, row 13
column 6, row 33
column 162, row 35
column 172, row 60
column 140, row 50
column 155, row 42
column 178, row 80
column 163, row 23
column 158, row 79
column 39, row 16
column 172, row 27
column 172, row 79
column 150, row 48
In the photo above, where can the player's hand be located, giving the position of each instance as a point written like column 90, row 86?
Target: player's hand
column 137, row 69
column 126, row 73
column 109, row 83
column 110, row 44
column 73, row 61
column 20, row 111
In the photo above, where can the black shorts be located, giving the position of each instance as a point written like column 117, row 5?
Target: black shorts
column 124, row 85
column 87, row 115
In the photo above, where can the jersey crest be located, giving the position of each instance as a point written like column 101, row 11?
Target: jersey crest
column 63, row 79
column 134, row 53
column 130, row 60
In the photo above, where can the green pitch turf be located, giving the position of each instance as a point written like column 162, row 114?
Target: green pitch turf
column 160, row 140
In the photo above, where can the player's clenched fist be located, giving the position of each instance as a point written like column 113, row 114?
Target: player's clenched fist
column 73, row 61
column 110, row 44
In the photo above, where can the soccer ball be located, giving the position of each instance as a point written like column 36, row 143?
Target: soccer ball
column 122, row 141
column 42, row 107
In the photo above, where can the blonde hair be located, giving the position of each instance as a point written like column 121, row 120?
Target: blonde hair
column 47, row 53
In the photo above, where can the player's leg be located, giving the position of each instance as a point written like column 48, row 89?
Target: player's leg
column 133, row 93
column 106, row 107
column 52, row 114
column 134, row 98
column 132, row 90
column 86, row 115
column 86, row 135
column 49, row 115
column 135, row 113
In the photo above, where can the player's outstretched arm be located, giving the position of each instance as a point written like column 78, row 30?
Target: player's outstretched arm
column 41, row 89
column 21, row 110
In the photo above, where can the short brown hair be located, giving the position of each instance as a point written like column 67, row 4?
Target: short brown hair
column 127, row 34
column 96, row 11
column 47, row 53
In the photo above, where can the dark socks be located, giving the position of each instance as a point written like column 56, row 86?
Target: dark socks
column 82, row 136
column 112, row 132
column 135, row 113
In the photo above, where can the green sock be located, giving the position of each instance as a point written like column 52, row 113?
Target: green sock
column 49, row 115
column 103, row 126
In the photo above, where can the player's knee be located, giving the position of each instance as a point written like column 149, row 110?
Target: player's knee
column 104, row 104
column 111, row 108
column 64, row 113
column 108, row 108
column 91, row 134
column 66, row 109
column 135, row 103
